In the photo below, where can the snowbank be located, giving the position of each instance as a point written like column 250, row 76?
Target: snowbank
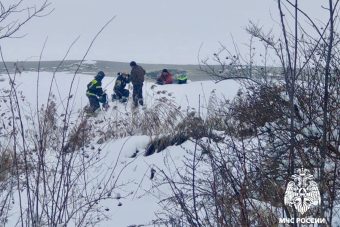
column 136, row 200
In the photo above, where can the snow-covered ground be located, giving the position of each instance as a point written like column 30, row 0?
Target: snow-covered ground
column 185, row 95
column 136, row 200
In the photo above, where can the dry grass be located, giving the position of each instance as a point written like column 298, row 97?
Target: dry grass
column 191, row 127
column 79, row 137
column 6, row 164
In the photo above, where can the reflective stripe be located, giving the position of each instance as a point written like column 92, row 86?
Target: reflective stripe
column 91, row 94
column 94, row 82
column 182, row 77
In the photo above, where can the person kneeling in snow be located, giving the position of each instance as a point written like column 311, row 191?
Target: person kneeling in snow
column 165, row 78
column 119, row 89
column 95, row 93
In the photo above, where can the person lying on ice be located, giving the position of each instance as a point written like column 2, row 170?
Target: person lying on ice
column 182, row 79
column 165, row 78
column 120, row 92
column 96, row 94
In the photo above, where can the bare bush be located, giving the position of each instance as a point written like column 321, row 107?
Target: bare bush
column 271, row 129
column 15, row 14
column 51, row 182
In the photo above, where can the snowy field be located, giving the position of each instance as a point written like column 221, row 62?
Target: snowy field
column 135, row 201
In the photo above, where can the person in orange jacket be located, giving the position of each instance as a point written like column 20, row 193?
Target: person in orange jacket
column 165, row 78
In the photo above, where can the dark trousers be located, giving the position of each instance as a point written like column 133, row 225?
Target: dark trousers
column 137, row 94
column 160, row 82
column 182, row 81
column 94, row 103
column 120, row 93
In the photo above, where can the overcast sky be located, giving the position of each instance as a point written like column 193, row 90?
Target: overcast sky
column 147, row 31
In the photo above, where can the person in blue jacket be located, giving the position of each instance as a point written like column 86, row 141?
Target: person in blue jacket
column 95, row 92
column 120, row 93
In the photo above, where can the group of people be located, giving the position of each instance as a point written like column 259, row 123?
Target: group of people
column 166, row 77
column 96, row 95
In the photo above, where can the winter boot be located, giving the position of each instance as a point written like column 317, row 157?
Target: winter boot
column 93, row 113
column 106, row 106
column 122, row 100
column 114, row 97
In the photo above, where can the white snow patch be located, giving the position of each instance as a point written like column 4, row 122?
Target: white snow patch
column 138, row 197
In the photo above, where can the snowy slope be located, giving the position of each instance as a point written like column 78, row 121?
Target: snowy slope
column 140, row 196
